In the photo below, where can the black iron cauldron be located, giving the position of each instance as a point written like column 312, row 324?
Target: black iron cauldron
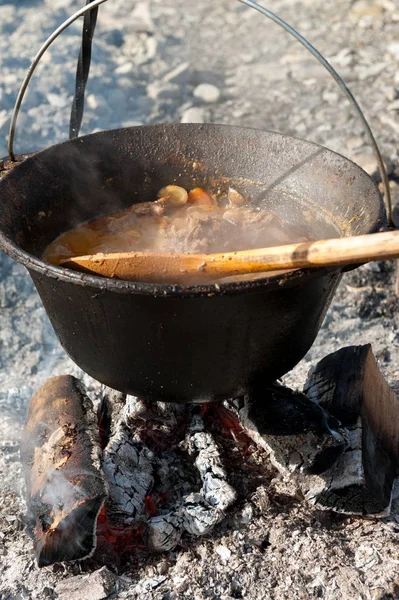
column 173, row 342
column 184, row 343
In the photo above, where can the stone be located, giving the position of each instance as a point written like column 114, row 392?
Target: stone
column 126, row 67
column 57, row 100
column 94, row 586
column 366, row 72
column 366, row 8
column 394, row 49
column 367, row 162
column 354, row 143
column 207, row 92
column 92, row 101
column 330, row 97
column 344, row 58
column 193, row 115
column 392, row 123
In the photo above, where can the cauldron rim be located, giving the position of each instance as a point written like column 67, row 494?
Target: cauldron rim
column 299, row 276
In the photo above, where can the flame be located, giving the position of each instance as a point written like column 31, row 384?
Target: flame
column 123, row 538
column 216, row 416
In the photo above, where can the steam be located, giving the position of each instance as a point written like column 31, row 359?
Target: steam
column 60, row 493
column 179, row 222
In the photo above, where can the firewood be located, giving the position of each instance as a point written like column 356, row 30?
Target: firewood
column 349, row 384
column 61, row 455
column 341, row 440
column 303, row 441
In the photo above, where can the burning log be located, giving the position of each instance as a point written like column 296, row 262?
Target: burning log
column 349, row 384
column 61, row 454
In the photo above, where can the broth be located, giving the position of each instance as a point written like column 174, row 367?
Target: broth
column 193, row 222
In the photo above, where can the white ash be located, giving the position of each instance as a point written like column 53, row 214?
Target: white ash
column 217, row 492
column 133, row 408
column 128, row 465
column 199, row 512
column 194, row 114
column 134, row 473
column 164, row 532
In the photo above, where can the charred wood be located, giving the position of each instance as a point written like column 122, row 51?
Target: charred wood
column 340, row 441
column 128, row 464
column 349, row 384
column 216, row 490
column 88, row 586
column 61, row 455
column 197, row 512
column 300, row 437
column 336, row 383
column 150, row 481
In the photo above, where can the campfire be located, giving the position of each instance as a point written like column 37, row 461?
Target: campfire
column 132, row 476
column 122, row 475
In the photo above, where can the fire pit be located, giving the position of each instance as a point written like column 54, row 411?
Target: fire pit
column 141, row 476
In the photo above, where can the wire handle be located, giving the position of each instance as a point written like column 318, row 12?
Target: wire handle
column 34, row 64
column 267, row 13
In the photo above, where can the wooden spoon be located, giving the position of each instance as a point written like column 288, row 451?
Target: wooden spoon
column 176, row 268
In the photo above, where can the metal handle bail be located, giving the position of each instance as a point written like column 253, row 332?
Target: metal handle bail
column 267, row 13
column 34, row 64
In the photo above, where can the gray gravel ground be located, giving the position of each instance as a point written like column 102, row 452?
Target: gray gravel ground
column 149, row 58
